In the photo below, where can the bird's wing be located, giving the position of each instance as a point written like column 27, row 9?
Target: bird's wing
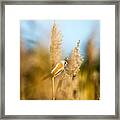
column 58, row 72
column 57, row 68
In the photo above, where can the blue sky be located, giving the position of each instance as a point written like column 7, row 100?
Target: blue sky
column 72, row 31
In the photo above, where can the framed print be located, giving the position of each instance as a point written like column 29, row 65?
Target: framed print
column 60, row 59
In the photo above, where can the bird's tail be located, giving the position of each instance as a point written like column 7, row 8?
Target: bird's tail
column 46, row 76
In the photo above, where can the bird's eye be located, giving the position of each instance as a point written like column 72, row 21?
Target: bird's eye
column 65, row 63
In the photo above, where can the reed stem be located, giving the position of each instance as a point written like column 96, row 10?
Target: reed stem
column 53, row 88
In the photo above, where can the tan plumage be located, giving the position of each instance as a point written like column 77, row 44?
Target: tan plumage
column 58, row 68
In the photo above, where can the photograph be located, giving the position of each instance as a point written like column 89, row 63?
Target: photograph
column 59, row 60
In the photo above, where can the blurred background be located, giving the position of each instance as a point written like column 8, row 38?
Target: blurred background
column 35, row 38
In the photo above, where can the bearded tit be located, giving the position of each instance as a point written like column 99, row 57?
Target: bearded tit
column 59, row 68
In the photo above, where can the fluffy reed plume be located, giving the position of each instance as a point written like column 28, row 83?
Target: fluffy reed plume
column 55, row 52
column 91, row 51
column 55, row 46
column 89, row 75
column 74, row 60
column 68, row 87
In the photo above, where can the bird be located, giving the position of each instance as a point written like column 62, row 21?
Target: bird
column 59, row 68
